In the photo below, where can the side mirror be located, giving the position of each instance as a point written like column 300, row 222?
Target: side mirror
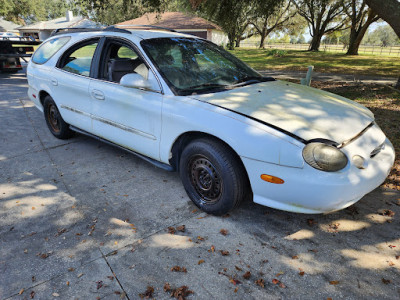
column 134, row 80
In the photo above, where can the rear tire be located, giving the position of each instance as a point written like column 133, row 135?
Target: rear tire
column 57, row 126
column 213, row 176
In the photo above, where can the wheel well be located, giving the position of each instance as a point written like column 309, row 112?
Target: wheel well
column 186, row 138
column 42, row 95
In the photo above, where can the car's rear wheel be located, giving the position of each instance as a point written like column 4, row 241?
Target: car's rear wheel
column 213, row 176
column 57, row 126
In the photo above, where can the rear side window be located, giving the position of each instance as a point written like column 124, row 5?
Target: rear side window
column 48, row 49
column 79, row 59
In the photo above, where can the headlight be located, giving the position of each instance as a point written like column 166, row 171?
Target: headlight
column 324, row 157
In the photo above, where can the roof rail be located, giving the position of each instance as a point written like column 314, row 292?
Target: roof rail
column 146, row 26
column 80, row 29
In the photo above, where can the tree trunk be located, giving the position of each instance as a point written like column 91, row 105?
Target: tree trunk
column 262, row 40
column 315, row 42
column 389, row 10
column 397, row 86
column 231, row 44
column 231, row 41
column 237, row 43
column 356, row 36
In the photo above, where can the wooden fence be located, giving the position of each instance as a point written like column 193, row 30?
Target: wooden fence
column 364, row 49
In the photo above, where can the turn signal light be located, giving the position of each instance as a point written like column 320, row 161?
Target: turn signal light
column 272, row 179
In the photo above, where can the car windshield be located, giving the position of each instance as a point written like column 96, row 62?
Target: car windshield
column 191, row 65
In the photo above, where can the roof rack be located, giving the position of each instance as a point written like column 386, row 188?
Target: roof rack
column 145, row 26
column 81, row 29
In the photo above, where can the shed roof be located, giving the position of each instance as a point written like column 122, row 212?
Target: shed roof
column 8, row 26
column 62, row 22
column 173, row 20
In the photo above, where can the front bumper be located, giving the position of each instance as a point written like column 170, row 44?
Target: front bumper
column 307, row 190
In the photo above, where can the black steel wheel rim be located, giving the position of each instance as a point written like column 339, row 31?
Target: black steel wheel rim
column 205, row 179
column 53, row 117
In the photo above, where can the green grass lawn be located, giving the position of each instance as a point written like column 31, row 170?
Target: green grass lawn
column 324, row 62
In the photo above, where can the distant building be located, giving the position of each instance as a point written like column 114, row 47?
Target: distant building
column 42, row 30
column 7, row 26
column 183, row 23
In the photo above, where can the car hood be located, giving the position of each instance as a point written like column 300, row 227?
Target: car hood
column 306, row 112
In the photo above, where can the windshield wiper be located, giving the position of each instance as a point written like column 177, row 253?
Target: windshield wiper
column 203, row 86
column 252, row 79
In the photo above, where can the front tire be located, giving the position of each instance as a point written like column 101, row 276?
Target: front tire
column 213, row 176
column 57, row 126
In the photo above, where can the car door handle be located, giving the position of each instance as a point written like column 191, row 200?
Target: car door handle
column 99, row 95
column 54, row 82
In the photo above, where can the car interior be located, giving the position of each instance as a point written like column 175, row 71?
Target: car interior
column 121, row 60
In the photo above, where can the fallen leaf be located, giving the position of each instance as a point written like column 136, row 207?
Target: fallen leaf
column 281, row 285
column 387, row 212
column 193, row 211
column 181, row 228
column 80, row 275
column 21, row 291
column 99, row 284
column 275, row 281
column 110, row 277
column 311, row 222
column 234, row 281
column 295, row 257
column 148, row 293
column 397, row 256
column 71, row 269
column 167, row 287
column 237, row 268
column 25, row 251
column 178, row 269
column 171, row 230
column 55, row 295
column 260, row 282
column 236, row 289
column 212, row 249
column 224, row 252
column 200, row 238
column 60, row 231
column 280, row 273
column 67, row 283
column 247, row 275
column 223, row 232
column 334, row 282
column 200, row 261
column 33, row 278
column 391, row 263
column 386, row 281
column 32, row 294
column 391, row 246
column 181, row 293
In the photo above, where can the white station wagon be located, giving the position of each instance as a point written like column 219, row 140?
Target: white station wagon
column 187, row 105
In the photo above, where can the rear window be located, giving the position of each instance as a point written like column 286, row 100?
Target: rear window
column 48, row 49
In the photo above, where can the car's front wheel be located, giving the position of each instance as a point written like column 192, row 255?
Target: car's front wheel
column 57, row 126
column 213, row 176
